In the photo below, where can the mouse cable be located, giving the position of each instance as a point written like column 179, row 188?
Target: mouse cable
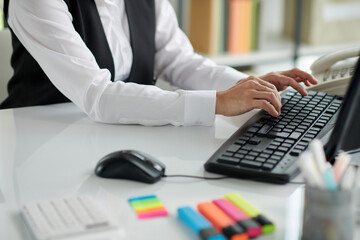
column 215, row 178
column 199, row 177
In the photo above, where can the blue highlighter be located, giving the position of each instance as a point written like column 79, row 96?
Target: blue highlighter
column 198, row 224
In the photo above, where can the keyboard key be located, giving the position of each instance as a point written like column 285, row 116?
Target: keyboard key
column 248, row 135
column 283, row 134
column 279, row 140
column 242, row 151
column 254, row 141
column 233, row 148
column 283, row 149
column 322, row 121
column 295, row 153
column 267, row 166
column 331, row 111
column 247, row 148
column 251, row 164
column 252, row 153
column 302, row 143
column 264, row 119
column 260, row 159
column 239, row 156
column 240, row 142
column 271, row 161
column 289, row 141
column 313, row 132
column 253, row 130
column 301, row 148
column 228, row 160
column 264, row 130
column 275, row 157
column 249, row 158
column 310, row 135
column 295, row 135
column 272, row 134
column 307, row 140
column 272, row 147
column 276, row 143
column 228, row 154
column 245, row 138
column 287, row 145
column 278, row 153
column 268, row 151
column 264, row 155
column 288, row 130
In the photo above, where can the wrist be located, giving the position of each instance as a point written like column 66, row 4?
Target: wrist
column 219, row 103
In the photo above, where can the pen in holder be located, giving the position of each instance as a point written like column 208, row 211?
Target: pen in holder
column 329, row 214
column 330, row 195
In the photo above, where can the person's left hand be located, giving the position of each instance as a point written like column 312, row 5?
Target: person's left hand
column 281, row 80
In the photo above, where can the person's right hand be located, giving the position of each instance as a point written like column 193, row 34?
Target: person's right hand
column 247, row 94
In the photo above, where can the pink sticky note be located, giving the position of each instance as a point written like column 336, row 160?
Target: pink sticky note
column 153, row 214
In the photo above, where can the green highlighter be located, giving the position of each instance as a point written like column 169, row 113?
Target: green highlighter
column 254, row 213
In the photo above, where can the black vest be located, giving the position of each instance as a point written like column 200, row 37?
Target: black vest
column 30, row 86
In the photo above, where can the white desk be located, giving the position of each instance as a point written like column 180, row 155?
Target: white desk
column 50, row 152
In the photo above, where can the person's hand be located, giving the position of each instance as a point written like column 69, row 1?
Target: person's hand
column 261, row 92
column 291, row 78
column 248, row 94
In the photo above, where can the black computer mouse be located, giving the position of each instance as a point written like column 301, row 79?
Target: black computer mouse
column 130, row 164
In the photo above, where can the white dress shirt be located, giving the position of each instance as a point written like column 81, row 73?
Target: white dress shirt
column 45, row 29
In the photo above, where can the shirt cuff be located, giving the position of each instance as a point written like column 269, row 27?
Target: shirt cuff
column 228, row 78
column 199, row 108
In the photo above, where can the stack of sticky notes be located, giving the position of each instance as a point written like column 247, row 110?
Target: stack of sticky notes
column 148, row 207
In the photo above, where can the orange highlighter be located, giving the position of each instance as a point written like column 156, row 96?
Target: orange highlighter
column 222, row 222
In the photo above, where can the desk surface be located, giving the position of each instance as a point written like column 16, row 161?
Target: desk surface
column 50, row 152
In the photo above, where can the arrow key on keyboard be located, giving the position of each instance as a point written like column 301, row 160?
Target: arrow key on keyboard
column 295, row 152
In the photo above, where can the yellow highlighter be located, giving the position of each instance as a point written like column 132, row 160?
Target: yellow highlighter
column 251, row 211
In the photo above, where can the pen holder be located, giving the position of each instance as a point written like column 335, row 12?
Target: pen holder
column 329, row 214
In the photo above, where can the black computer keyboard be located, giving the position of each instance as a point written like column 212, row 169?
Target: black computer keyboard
column 267, row 148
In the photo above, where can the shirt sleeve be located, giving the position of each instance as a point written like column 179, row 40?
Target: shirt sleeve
column 72, row 68
column 177, row 62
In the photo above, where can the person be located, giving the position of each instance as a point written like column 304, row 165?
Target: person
column 103, row 55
